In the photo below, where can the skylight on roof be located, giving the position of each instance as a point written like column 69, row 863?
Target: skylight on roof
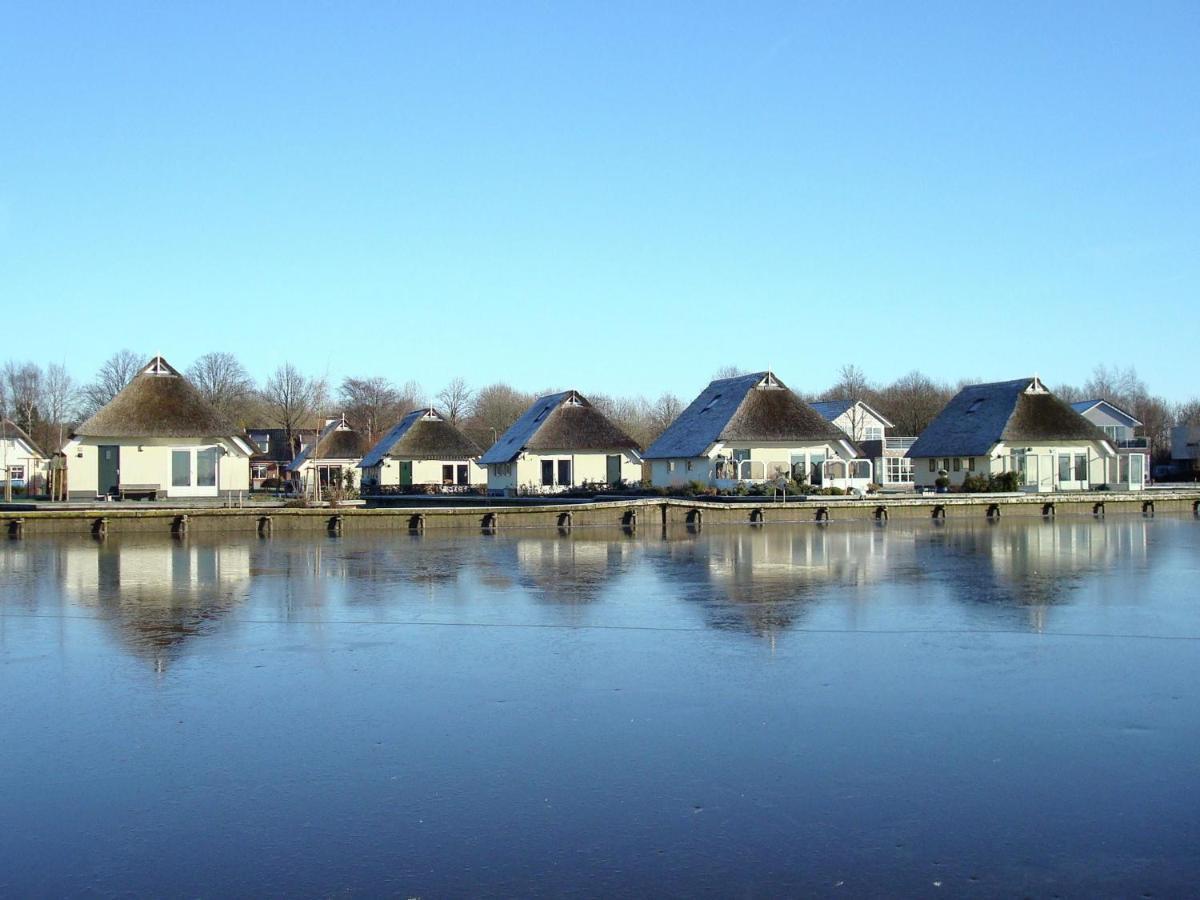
column 711, row 403
column 975, row 404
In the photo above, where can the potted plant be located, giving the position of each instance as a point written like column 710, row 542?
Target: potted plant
column 942, row 482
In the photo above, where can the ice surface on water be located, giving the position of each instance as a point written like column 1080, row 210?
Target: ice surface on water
column 755, row 711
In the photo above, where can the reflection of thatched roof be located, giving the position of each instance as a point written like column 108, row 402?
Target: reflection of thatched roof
column 982, row 415
column 12, row 431
column 756, row 407
column 422, row 434
column 565, row 422
column 159, row 402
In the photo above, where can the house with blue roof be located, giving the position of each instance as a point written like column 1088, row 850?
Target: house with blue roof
column 754, row 429
column 424, row 450
column 561, row 442
column 1013, row 426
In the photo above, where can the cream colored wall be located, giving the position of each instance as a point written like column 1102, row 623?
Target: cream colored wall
column 855, row 421
column 151, row 464
column 503, row 483
column 591, row 467
column 429, row 471
column 704, row 467
column 16, row 453
column 1046, row 451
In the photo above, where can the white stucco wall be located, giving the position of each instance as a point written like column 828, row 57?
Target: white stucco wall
column 585, row 467
column 428, row 471
column 999, row 460
column 149, row 462
column 675, row 472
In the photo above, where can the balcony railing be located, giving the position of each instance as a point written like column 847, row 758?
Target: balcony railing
column 899, row 443
column 1139, row 443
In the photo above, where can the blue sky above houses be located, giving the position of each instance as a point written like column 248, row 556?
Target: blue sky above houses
column 620, row 197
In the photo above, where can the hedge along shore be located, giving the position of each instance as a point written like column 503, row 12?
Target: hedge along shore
column 628, row 515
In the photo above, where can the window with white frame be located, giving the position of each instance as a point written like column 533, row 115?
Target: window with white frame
column 873, row 433
column 897, row 469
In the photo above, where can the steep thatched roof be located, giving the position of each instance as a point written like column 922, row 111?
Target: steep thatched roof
column 12, row 431
column 982, row 415
column 422, row 434
column 337, row 441
column 564, row 422
column 159, row 402
column 755, row 407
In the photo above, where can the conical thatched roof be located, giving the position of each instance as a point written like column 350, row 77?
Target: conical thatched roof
column 336, row 441
column 562, row 422
column 422, row 434
column 754, row 407
column 982, row 415
column 159, row 402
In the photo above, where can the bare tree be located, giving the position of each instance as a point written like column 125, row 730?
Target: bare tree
column 455, row 399
column 1188, row 413
column 116, row 372
column 224, row 382
column 493, row 410
column 23, row 386
column 852, row 384
column 728, row 372
column 371, row 405
column 292, row 400
column 913, row 401
column 1120, row 386
column 61, row 395
column 665, row 411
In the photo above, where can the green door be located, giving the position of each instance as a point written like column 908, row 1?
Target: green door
column 109, row 475
column 614, row 469
column 405, row 472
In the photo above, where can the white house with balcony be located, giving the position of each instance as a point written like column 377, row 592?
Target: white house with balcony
column 1130, row 470
column 561, row 442
column 868, row 428
column 753, row 429
column 1018, row 426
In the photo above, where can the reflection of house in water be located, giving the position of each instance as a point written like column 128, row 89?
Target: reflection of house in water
column 156, row 593
column 761, row 579
column 1039, row 564
column 570, row 569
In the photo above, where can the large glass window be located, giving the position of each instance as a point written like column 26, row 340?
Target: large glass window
column 1081, row 467
column 462, row 476
column 898, row 470
column 860, row 468
column 206, row 467
column 181, row 468
column 564, row 471
column 447, row 474
column 873, row 433
column 547, row 472
column 1064, row 468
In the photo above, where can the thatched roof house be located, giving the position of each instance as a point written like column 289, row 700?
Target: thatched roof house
column 424, row 448
column 158, row 436
column 748, row 428
column 1014, row 425
column 338, row 445
column 559, row 442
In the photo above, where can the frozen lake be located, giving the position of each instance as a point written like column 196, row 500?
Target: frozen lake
column 843, row 710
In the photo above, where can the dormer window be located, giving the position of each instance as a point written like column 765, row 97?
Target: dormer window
column 975, row 404
column 711, row 403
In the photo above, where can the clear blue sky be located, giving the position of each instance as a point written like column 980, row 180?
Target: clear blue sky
column 613, row 197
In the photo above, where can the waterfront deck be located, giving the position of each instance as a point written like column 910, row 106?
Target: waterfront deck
column 628, row 514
